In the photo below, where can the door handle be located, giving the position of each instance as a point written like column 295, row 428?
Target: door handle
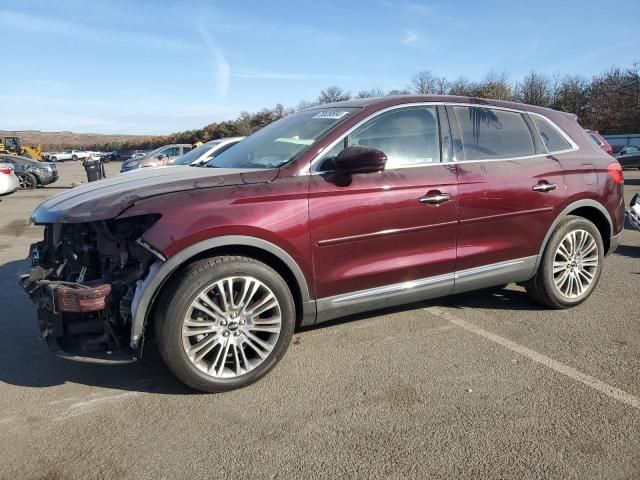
column 435, row 198
column 544, row 187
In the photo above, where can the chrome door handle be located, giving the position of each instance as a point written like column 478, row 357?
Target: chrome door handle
column 544, row 187
column 435, row 198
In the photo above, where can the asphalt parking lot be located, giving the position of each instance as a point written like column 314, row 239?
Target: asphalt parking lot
column 480, row 385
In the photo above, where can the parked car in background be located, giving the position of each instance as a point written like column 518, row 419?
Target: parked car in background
column 32, row 173
column 107, row 157
column 9, row 183
column 69, row 155
column 600, row 141
column 338, row 209
column 633, row 214
column 629, row 156
column 206, row 152
column 159, row 157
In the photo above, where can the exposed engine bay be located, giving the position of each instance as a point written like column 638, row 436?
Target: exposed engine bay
column 83, row 281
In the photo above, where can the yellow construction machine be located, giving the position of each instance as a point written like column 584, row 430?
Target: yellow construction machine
column 14, row 146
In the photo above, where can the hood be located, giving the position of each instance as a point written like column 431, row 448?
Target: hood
column 105, row 199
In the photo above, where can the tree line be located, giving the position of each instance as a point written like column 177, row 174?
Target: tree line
column 608, row 102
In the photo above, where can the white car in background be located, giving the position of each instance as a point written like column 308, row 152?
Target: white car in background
column 69, row 155
column 9, row 183
column 206, row 151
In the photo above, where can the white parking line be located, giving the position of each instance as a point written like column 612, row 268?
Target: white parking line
column 588, row 380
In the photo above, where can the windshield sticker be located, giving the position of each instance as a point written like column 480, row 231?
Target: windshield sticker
column 330, row 115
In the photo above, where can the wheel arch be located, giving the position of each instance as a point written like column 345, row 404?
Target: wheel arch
column 590, row 210
column 161, row 273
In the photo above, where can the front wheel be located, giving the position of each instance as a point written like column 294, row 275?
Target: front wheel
column 74, row 158
column 225, row 323
column 28, row 181
column 571, row 265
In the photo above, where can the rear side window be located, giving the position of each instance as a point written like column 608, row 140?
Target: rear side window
column 552, row 138
column 487, row 133
column 595, row 139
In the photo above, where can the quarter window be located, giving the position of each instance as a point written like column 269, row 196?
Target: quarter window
column 408, row 137
column 488, row 133
column 551, row 137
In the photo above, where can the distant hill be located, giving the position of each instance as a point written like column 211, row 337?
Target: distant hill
column 58, row 140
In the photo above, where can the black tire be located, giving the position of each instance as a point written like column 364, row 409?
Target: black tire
column 74, row 157
column 28, row 181
column 541, row 287
column 54, row 159
column 180, row 293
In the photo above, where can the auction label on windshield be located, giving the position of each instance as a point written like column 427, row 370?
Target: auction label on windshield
column 330, row 114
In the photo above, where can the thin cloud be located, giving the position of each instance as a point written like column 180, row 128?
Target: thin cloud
column 411, row 7
column 410, row 38
column 221, row 67
column 266, row 75
column 55, row 27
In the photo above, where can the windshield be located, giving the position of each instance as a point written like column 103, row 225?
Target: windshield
column 281, row 141
column 193, row 155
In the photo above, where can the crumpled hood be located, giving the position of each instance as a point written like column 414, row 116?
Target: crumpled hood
column 105, row 199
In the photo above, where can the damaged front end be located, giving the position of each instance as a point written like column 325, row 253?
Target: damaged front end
column 83, row 280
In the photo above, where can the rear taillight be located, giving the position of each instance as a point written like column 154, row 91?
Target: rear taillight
column 615, row 172
column 5, row 170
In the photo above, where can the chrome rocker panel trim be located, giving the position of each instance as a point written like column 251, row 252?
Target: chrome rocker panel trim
column 517, row 270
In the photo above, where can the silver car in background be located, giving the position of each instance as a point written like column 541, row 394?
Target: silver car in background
column 206, row 151
column 162, row 156
column 9, row 183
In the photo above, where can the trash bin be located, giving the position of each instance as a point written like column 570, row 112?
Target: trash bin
column 94, row 169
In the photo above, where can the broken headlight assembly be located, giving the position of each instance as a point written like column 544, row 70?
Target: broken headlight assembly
column 83, row 280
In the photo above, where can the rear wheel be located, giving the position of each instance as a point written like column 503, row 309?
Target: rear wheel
column 74, row 157
column 54, row 159
column 571, row 265
column 224, row 323
column 28, row 181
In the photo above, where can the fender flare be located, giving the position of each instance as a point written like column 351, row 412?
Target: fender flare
column 572, row 206
column 160, row 271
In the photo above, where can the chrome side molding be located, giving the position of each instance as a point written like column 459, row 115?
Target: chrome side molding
column 516, row 270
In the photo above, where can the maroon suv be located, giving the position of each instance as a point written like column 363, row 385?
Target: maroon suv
column 334, row 210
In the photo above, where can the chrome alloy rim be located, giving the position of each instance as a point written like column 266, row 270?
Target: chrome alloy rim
column 24, row 182
column 231, row 327
column 575, row 263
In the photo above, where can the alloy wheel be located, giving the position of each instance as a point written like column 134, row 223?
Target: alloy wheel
column 575, row 264
column 25, row 182
column 231, row 327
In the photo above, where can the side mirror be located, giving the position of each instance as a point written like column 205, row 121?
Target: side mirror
column 359, row 159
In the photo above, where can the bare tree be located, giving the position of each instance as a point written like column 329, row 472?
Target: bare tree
column 426, row 83
column 304, row 104
column 535, row 89
column 399, row 91
column 496, row 86
column 374, row 92
column 462, row 86
column 333, row 94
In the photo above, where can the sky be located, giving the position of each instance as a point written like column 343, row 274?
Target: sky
column 156, row 67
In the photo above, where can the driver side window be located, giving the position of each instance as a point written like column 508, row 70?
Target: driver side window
column 408, row 136
column 171, row 152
